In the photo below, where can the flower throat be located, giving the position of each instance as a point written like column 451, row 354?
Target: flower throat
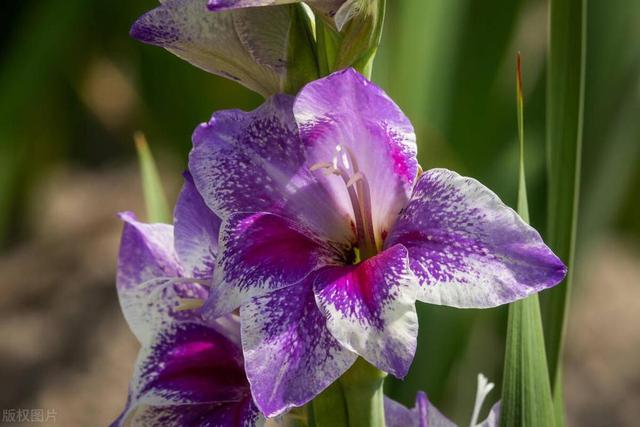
column 345, row 166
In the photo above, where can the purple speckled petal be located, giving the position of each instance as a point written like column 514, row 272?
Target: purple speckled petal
column 260, row 253
column 253, row 162
column 146, row 252
column 423, row 414
column 370, row 309
column 346, row 120
column 196, row 230
column 237, row 414
column 193, row 367
column 149, row 282
column 290, row 354
column 467, row 248
column 221, row 43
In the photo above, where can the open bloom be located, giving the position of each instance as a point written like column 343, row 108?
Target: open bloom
column 190, row 370
column 424, row 414
column 248, row 46
column 337, row 11
column 330, row 234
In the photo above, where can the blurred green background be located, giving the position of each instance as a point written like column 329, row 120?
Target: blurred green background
column 74, row 87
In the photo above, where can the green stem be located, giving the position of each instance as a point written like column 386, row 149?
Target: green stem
column 362, row 387
column 355, row 400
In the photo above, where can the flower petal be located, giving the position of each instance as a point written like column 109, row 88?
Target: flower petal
column 188, row 364
column 260, row 253
column 370, row 309
column 231, row 414
column 329, row 8
column 290, row 354
column 346, row 112
column 467, row 248
column 217, row 43
column 424, row 414
column 493, row 419
column 196, row 230
column 253, row 162
column 146, row 252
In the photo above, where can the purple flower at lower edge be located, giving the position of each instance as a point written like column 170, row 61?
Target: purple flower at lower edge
column 190, row 370
column 330, row 234
column 425, row 414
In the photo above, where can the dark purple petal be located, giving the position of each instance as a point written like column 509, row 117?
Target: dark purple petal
column 196, row 230
column 370, row 309
column 190, row 373
column 345, row 120
column 290, row 354
column 230, row 414
column 423, row 414
column 260, row 253
column 219, row 43
column 467, row 248
column 146, row 252
column 254, row 162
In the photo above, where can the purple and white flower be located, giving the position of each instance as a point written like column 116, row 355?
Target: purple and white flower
column 248, row 46
column 190, row 370
column 425, row 414
column 330, row 233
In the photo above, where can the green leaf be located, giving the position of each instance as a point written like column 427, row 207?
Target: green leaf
column 302, row 65
column 565, row 102
column 154, row 197
column 526, row 390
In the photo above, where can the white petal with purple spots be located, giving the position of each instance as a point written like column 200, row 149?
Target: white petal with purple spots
column 469, row 249
column 290, row 354
column 370, row 309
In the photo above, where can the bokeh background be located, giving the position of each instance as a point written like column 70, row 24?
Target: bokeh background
column 74, row 87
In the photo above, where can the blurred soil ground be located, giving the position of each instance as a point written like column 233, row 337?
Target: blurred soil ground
column 64, row 345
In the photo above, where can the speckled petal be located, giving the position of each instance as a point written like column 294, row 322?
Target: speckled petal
column 423, row 414
column 254, row 162
column 149, row 282
column 196, row 230
column 146, row 252
column 290, row 354
column 260, row 253
column 220, row 43
column 345, row 119
column 191, row 373
column 370, row 309
column 469, row 249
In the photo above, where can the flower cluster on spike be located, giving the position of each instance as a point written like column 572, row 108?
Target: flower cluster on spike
column 302, row 238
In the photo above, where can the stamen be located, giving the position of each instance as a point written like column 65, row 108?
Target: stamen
column 320, row 165
column 484, row 387
column 189, row 304
column 354, row 179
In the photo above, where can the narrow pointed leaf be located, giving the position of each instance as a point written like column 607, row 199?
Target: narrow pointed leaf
column 565, row 101
column 526, row 391
column 154, row 196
